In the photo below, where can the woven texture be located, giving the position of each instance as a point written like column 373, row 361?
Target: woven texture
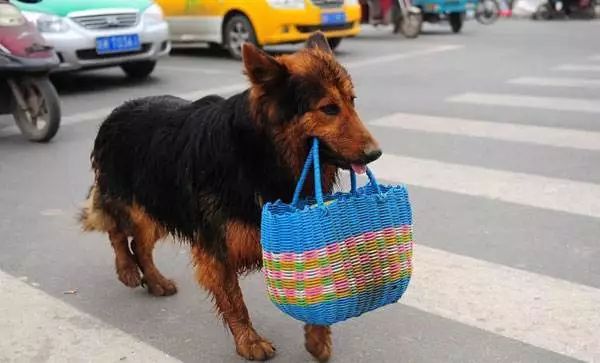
column 333, row 257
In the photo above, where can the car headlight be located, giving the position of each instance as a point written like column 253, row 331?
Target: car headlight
column 153, row 15
column 47, row 23
column 287, row 4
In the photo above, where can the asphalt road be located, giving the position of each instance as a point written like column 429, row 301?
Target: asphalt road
column 495, row 130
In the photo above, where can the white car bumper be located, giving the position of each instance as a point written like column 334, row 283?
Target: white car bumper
column 77, row 46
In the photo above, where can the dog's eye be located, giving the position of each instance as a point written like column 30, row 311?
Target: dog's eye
column 331, row 109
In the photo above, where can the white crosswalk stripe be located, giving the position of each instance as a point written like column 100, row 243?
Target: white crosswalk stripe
column 578, row 68
column 556, row 82
column 549, row 313
column 549, row 136
column 36, row 327
column 526, row 189
column 528, row 101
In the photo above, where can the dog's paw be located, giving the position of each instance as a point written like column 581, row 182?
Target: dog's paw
column 129, row 275
column 255, row 348
column 318, row 341
column 161, row 287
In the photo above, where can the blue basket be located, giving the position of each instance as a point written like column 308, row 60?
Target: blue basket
column 333, row 257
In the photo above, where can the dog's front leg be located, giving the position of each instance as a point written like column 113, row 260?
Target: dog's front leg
column 222, row 282
column 318, row 341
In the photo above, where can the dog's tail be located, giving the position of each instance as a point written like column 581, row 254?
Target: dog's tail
column 92, row 217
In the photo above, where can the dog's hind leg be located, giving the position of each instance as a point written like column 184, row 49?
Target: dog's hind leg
column 221, row 281
column 142, row 245
column 318, row 341
column 103, row 216
column 146, row 234
column 127, row 268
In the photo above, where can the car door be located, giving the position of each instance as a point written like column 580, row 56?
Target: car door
column 194, row 20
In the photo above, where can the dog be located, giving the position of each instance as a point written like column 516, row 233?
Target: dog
column 200, row 172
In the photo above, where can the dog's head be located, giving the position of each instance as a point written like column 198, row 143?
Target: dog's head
column 309, row 94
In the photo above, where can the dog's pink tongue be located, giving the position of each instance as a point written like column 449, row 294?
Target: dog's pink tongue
column 359, row 168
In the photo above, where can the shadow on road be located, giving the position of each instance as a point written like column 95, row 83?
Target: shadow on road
column 95, row 82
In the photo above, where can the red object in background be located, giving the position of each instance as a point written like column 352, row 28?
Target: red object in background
column 20, row 36
column 386, row 5
column 18, row 39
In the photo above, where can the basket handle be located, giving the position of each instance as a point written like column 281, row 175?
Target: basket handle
column 371, row 179
column 313, row 160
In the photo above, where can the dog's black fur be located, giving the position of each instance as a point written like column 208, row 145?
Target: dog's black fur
column 192, row 165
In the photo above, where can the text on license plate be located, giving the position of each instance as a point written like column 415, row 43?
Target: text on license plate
column 333, row 18
column 118, row 44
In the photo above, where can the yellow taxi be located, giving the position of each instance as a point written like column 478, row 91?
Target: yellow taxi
column 229, row 23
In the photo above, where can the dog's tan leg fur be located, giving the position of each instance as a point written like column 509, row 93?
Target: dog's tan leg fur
column 222, row 282
column 146, row 234
column 318, row 341
column 127, row 268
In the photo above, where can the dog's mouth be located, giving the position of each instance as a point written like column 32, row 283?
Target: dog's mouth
column 329, row 156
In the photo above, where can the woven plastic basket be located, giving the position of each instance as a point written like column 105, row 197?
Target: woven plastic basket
column 334, row 257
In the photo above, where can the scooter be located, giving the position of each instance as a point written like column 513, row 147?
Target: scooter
column 556, row 9
column 25, row 90
column 406, row 18
column 487, row 11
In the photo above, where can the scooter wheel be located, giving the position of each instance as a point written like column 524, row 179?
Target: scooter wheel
column 487, row 12
column 40, row 121
column 411, row 26
column 543, row 12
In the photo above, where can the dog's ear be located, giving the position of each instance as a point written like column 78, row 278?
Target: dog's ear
column 318, row 41
column 260, row 67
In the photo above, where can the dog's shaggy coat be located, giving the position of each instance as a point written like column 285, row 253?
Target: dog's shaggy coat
column 200, row 172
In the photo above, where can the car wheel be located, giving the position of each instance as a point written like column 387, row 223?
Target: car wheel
column 456, row 21
column 139, row 70
column 237, row 31
column 334, row 42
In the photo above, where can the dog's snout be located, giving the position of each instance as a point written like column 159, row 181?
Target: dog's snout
column 372, row 153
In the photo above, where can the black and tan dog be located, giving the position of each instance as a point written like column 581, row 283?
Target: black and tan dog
column 200, row 171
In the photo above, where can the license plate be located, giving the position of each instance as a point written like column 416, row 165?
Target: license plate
column 118, row 44
column 333, row 18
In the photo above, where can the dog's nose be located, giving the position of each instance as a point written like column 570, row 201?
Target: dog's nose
column 372, row 153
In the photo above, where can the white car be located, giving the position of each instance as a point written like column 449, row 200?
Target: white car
column 131, row 34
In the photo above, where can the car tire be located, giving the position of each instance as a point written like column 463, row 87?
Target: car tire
column 334, row 42
column 456, row 21
column 237, row 31
column 139, row 70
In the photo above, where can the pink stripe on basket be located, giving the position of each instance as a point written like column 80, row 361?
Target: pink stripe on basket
column 275, row 274
column 312, row 292
column 333, row 248
column 351, row 242
column 289, row 293
column 307, row 255
column 369, row 236
column 287, row 257
column 325, row 271
column 341, row 285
